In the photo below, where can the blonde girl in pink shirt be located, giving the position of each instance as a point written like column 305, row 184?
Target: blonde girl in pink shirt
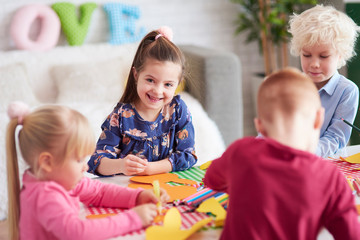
column 55, row 141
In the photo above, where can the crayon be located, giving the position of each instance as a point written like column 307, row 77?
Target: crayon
column 195, row 194
column 222, row 197
column 217, row 194
column 204, row 197
column 199, row 195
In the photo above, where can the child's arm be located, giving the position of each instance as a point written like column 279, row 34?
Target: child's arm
column 58, row 213
column 341, row 218
column 183, row 156
column 216, row 176
column 337, row 133
column 99, row 194
column 129, row 165
column 107, row 146
column 157, row 167
column 105, row 160
column 55, row 213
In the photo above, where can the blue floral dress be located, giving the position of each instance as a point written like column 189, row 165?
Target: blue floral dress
column 125, row 132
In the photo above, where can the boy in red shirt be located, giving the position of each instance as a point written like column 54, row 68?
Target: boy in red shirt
column 278, row 188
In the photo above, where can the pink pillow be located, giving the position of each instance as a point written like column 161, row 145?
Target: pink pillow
column 21, row 24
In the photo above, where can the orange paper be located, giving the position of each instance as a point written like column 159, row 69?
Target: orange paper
column 175, row 192
column 163, row 178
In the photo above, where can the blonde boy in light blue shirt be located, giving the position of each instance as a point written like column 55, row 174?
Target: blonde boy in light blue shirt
column 324, row 38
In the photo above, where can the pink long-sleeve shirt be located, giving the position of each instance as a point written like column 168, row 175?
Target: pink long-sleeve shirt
column 48, row 211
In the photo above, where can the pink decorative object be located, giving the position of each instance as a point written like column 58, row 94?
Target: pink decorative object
column 18, row 110
column 49, row 31
column 166, row 32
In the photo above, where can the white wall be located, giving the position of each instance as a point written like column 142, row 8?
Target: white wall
column 208, row 23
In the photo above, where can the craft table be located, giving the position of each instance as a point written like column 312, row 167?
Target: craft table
column 215, row 233
column 123, row 180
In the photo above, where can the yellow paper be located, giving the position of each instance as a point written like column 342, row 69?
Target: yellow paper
column 213, row 206
column 171, row 227
column 353, row 158
column 205, row 165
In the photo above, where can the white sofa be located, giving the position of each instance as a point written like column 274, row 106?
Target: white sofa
column 91, row 78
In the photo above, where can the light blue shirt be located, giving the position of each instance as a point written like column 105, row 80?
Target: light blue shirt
column 340, row 98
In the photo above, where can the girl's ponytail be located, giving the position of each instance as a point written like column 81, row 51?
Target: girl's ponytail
column 13, row 181
column 17, row 111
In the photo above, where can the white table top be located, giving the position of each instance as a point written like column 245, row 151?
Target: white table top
column 353, row 149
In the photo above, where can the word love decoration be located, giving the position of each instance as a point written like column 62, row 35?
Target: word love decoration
column 122, row 21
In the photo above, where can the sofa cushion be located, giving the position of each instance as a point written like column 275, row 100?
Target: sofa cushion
column 90, row 82
column 74, row 29
column 14, row 86
column 121, row 18
column 13, row 77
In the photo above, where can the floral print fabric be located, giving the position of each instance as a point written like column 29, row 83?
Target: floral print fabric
column 125, row 132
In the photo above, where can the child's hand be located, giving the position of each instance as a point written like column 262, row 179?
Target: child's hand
column 147, row 213
column 148, row 196
column 132, row 165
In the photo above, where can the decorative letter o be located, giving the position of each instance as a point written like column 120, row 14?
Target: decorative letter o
column 49, row 30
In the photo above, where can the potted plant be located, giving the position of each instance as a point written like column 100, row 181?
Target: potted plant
column 266, row 22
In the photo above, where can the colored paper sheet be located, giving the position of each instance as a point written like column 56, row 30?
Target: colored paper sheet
column 194, row 173
column 353, row 158
column 163, row 178
column 205, row 165
column 171, row 227
column 175, row 192
column 214, row 207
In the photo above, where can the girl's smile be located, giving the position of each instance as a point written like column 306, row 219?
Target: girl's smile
column 156, row 85
column 153, row 99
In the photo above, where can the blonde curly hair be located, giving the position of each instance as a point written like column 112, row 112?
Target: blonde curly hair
column 324, row 25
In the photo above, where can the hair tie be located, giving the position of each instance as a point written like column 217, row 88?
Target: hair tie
column 18, row 110
column 157, row 36
column 18, row 129
column 166, row 32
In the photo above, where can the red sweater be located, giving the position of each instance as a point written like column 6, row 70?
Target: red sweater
column 277, row 192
